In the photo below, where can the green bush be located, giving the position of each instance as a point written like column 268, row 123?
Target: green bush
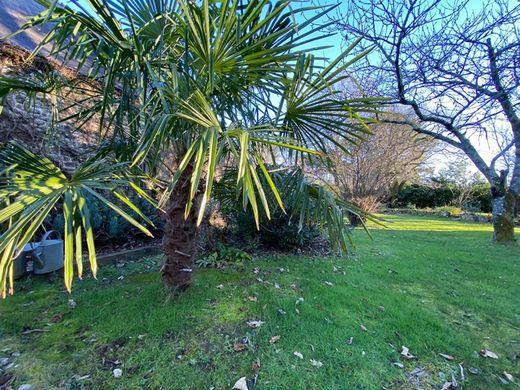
column 224, row 255
column 424, row 196
column 281, row 232
column 451, row 211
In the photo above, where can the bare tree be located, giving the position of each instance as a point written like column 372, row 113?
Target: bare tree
column 457, row 69
column 392, row 154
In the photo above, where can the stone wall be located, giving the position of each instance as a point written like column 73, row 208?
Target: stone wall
column 33, row 120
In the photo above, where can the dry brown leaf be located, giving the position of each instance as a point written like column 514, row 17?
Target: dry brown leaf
column 488, row 354
column 239, row 347
column 256, row 365
column 240, row 384
column 274, row 339
column 57, row 318
column 363, row 328
column 447, row 357
column 406, row 353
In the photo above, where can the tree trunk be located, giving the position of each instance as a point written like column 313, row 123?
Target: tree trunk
column 503, row 205
column 179, row 235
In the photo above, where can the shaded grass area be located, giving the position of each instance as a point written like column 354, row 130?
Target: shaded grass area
column 433, row 285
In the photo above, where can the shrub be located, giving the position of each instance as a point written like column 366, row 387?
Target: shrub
column 281, row 232
column 424, row 196
column 223, row 256
column 451, row 211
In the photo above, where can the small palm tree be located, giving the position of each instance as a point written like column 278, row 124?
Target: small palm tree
column 182, row 85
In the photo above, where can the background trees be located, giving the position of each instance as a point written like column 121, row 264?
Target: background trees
column 390, row 156
column 457, row 69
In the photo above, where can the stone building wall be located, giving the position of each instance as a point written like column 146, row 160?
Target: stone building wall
column 29, row 120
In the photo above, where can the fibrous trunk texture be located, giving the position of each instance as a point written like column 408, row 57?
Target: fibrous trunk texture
column 179, row 235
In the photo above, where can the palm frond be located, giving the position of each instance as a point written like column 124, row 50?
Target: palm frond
column 31, row 186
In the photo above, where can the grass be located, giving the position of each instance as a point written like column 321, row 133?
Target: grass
column 430, row 284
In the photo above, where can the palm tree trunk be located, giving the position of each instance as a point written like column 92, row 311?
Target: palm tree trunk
column 179, row 235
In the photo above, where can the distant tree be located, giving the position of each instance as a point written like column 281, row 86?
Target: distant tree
column 458, row 179
column 458, row 70
column 390, row 155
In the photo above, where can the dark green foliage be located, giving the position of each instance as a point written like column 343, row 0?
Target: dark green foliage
column 281, row 232
column 109, row 226
column 222, row 256
column 442, row 194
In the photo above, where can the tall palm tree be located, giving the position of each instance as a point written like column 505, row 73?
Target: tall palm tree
column 182, row 85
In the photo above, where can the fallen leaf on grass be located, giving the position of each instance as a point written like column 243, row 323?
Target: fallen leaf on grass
column 276, row 285
column 220, row 286
column 255, row 324
column 509, row 377
column 117, row 373
column 350, row 340
column 256, row 365
column 462, row 377
column 298, row 354
column 328, row 283
column 252, row 299
column 316, row 363
column 239, row 347
column 274, row 339
column 381, row 308
column 447, row 357
column 488, row 354
column 299, row 300
column 240, row 384
column 406, row 353
column 57, row 318
column 363, row 328
column 447, row 386
column 400, row 365
column 473, row 370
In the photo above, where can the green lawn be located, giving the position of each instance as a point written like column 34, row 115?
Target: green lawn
column 432, row 285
